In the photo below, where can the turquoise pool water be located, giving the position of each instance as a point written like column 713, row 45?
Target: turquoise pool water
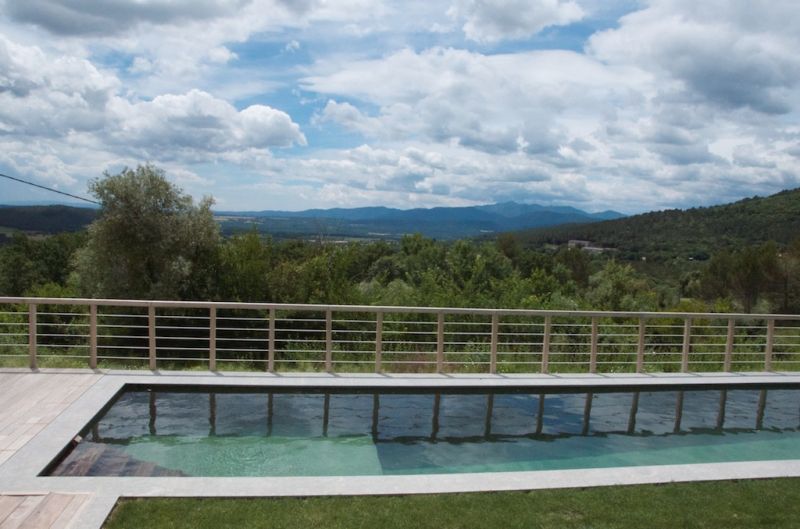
column 172, row 431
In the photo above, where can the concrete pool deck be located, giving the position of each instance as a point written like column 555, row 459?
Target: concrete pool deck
column 42, row 411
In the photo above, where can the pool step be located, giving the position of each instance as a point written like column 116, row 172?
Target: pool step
column 97, row 459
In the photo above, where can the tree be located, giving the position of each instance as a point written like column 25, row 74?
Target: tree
column 746, row 274
column 150, row 241
column 618, row 287
column 28, row 263
column 245, row 265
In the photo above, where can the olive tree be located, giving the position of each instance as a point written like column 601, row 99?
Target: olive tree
column 150, row 240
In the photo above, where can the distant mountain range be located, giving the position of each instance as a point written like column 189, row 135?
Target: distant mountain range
column 358, row 223
column 389, row 223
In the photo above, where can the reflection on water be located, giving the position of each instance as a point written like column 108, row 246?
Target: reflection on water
column 229, row 433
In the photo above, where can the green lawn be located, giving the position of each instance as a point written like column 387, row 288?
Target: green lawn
column 725, row 505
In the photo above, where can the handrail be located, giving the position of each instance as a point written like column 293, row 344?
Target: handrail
column 389, row 308
column 484, row 340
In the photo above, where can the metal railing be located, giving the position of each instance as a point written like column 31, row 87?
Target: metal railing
column 343, row 338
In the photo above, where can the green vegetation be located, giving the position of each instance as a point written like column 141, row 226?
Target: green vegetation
column 724, row 505
column 45, row 219
column 694, row 233
column 151, row 241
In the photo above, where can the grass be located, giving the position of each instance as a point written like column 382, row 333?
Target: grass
column 771, row 503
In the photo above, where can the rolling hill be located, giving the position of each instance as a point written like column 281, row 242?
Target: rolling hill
column 692, row 233
column 46, row 219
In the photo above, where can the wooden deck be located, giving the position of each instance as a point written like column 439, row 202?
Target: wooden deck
column 40, row 511
column 28, row 403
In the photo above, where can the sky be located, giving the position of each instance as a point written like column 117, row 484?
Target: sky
column 631, row 105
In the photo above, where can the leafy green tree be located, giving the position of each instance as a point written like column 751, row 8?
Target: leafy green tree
column 578, row 263
column 150, row 241
column 246, row 262
column 787, row 280
column 745, row 275
column 28, row 263
column 753, row 272
column 619, row 287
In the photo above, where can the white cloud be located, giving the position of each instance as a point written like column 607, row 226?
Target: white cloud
column 680, row 102
column 61, row 117
column 735, row 55
column 197, row 126
column 88, row 17
column 50, row 96
column 497, row 103
column 495, row 20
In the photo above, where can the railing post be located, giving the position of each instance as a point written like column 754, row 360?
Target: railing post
column 378, row 341
column 548, row 324
column 440, row 343
column 493, row 346
column 93, row 336
column 729, row 346
column 151, row 329
column 212, row 338
column 328, row 341
column 593, row 347
column 640, row 347
column 770, row 345
column 32, row 335
column 687, row 344
column 271, row 344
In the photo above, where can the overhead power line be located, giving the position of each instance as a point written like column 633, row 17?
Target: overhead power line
column 50, row 189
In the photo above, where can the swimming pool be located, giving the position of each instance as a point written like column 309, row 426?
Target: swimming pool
column 216, row 431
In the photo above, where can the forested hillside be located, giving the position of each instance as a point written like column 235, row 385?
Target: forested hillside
column 46, row 219
column 694, row 233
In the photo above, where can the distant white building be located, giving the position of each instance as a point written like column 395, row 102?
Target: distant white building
column 586, row 246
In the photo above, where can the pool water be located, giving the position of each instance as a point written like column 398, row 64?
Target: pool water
column 169, row 431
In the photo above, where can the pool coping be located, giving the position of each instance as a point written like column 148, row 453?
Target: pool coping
column 19, row 473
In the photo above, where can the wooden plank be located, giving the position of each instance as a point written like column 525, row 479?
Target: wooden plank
column 548, row 325
column 70, row 512
column 372, row 308
column 212, row 339
column 640, row 347
column 271, row 345
column 5, row 455
column 440, row 342
column 770, row 345
column 729, row 346
column 328, row 341
column 23, row 510
column 47, row 512
column 8, row 504
column 378, row 342
column 687, row 345
column 593, row 347
column 93, row 336
column 493, row 346
column 29, row 433
column 32, row 335
column 151, row 333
